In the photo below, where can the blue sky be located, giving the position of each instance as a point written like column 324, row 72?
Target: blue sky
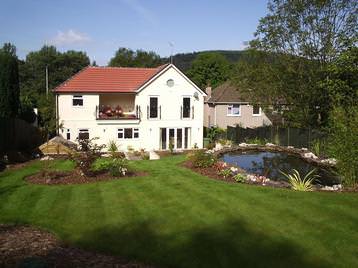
column 101, row 27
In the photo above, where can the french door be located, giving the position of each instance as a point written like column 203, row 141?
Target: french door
column 179, row 138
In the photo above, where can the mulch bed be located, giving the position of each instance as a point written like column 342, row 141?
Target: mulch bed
column 210, row 172
column 75, row 177
column 25, row 246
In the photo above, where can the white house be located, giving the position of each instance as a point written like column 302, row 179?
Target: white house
column 141, row 108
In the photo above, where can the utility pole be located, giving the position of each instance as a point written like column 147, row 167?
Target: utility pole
column 46, row 81
column 171, row 52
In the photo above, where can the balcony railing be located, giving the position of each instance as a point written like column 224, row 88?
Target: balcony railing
column 106, row 112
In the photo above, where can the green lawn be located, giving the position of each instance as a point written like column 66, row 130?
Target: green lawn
column 176, row 218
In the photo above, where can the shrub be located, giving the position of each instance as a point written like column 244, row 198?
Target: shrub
column 256, row 140
column 225, row 172
column 171, row 146
column 202, row 159
column 87, row 152
column 343, row 143
column 115, row 166
column 301, row 184
column 239, row 178
column 112, row 148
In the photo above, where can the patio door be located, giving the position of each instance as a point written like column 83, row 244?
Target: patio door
column 178, row 137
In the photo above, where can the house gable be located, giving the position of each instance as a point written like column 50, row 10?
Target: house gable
column 167, row 69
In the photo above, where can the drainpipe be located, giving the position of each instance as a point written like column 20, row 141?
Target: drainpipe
column 214, row 115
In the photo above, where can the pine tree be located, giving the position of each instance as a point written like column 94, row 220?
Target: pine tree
column 9, row 82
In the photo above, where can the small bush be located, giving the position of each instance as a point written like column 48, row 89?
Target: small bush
column 202, row 159
column 225, row 172
column 112, row 148
column 239, row 178
column 256, row 140
column 87, row 153
column 115, row 166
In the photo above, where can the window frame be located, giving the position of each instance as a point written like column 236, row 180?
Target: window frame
column 256, row 114
column 182, row 113
column 122, row 132
column 68, row 134
column 83, row 130
column 231, row 106
column 77, row 97
column 149, row 116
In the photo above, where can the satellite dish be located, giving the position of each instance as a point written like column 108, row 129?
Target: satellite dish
column 196, row 95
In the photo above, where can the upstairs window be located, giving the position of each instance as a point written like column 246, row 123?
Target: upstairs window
column 77, row 100
column 186, row 107
column 256, row 110
column 153, row 107
column 233, row 110
column 83, row 134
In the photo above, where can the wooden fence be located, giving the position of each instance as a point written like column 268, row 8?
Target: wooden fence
column 18, row 135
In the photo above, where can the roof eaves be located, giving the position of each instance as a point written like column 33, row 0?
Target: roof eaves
column 68, row 79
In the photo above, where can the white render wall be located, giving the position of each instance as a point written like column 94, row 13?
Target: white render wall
column 169, row 99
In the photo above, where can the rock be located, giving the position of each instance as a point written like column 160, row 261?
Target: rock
column 153, row 155
column 269, row 144
column 218, row 146
column 310, row 155
column 290, row 147
column 47, row 157
column 303, row 149
column 327, row 188
column 243, row 144
column 330, row 161
column 337, row 187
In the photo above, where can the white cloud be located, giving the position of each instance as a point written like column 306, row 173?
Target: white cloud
column 70, row 37
column 142, row 11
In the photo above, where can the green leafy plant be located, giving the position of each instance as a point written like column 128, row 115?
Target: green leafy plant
column 171, row 146
column 225, row 172
column 256, row 140
column 115, row 166
column 239, row 178
column 301, row 184
column 212, row 134
column 202, row 159
column 87, row 152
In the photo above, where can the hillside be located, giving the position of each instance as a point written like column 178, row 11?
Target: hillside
column 183, row 60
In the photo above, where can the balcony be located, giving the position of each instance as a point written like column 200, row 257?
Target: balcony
column 107, row 112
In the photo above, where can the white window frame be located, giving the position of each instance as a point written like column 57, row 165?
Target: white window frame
column 122, row 131
column 77, row 97
column 83, row 130
column 68, row 132
column 260, row 111
column 135, row 131
column 158, row 109
column 232, row 107
column 190, row 108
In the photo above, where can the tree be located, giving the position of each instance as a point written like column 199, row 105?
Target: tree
column 125, row 57
column 209, row 69
column 9, row 82
column 314, row 29
column 294, row 45
column 61, row 66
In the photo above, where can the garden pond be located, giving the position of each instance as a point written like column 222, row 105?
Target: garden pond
column 269, row 164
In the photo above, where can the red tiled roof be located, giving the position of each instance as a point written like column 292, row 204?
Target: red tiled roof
column 108, row 79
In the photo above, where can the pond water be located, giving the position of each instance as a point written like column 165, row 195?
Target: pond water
column 270, row 164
